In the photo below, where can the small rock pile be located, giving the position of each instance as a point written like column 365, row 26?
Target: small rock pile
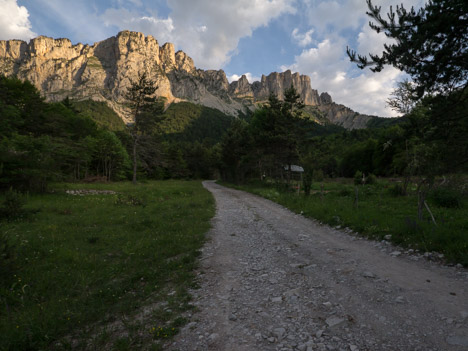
column 83, row 192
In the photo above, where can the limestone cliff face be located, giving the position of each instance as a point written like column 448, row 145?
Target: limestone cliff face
column 344, row 116
column 241, row 88
column 276, row 83
column 105, row 70
column 102, row 71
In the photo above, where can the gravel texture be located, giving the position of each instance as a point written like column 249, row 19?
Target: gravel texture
column 274, row 280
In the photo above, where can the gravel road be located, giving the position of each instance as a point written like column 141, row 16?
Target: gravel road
column 274, row 280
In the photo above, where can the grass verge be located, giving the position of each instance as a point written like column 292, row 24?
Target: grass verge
column 379, row 213
column 101, row 271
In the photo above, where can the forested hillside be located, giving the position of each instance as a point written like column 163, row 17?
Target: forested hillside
column 425, row 143
column 101, row 113
column 41, row 142
column 87, row 141
column 189, row 122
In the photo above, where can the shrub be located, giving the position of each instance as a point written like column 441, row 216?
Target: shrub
column 130, row 200
column 12, row 207
column 371, row 179
column 396, row 190
column 317, row 175
column 446, row 197
column 345, row 192
column 6, row 259
column 358, row 178
column 307, row 182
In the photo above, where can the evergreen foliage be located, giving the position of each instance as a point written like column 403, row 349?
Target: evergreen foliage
column 101, row 113
column 430, row 44
column 189, row 122
column 418, row 145
column 146, row 113
column 43, row 142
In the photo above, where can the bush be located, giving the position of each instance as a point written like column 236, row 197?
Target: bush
column 12, row 207
column 317, row 175
column 358, row 178
column 371, row 179
column 396, row 190
column 6, row 259
column 345, row 192
column 307, row 182
column 130, row 200
column 446, row 197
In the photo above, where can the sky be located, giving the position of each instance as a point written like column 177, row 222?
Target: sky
column 251, row 37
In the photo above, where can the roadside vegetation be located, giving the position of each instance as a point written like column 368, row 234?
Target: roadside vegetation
column 99, row 265
column 380, row 212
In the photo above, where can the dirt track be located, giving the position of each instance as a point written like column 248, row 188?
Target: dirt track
column 274, row 280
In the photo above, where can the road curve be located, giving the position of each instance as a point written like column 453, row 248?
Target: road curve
column 274, row 280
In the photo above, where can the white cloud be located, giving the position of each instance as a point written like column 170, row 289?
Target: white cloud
column 302, row 39
column 369, row 41
column 331, row 71
column 339, row 14
column 248, row 75
column 208, row 33
column 14, row 21
column 327, row 63
column 122, row 18
column 347, row 14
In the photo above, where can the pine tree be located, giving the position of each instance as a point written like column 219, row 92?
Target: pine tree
column 430, row 44
column 146, row 112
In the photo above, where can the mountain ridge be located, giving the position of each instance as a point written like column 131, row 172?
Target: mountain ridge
column 103, row 72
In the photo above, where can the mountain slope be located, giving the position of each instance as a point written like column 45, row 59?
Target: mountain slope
column 103, row 72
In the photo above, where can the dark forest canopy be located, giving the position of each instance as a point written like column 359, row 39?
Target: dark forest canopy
column 86, row 140
column 70, row 141
column 431, row 45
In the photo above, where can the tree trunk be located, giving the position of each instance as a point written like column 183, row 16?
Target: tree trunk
column 134, row 179
column 421, row 200
column 405, row 185
column 356, row 196
column 424, row 187
column 430, row 212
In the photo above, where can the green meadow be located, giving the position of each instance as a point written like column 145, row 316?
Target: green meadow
column 106, row 270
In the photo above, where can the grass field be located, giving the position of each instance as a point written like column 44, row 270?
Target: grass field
column 101, row 271
column 379, row 213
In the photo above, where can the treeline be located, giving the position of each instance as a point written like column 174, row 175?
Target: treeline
column 87, row 141
column 431, row 48
column 41, row 142
column 429, row 141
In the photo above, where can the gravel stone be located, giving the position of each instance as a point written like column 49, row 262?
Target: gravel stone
column 461, row 340
column 279, row 333
column 334, row 321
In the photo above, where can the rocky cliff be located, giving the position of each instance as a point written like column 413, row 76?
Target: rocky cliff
column 104, row 71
